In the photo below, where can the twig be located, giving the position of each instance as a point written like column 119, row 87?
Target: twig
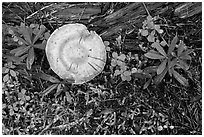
column 46, row 128
column 39, row 11
column 29, row 7
column 82, row 13
column 146, row 8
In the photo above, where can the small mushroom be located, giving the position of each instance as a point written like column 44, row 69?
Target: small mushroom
column 75, row 53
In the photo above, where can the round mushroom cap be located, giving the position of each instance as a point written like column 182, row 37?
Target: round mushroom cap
column 76, row 54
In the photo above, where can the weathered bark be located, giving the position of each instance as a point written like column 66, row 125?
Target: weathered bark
column 93, row 14
column 188, row 9
column 134, row 14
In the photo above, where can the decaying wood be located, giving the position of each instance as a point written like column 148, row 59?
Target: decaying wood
column 134, row 15
column 75, row 11
column 107, row 24
column 188, row 9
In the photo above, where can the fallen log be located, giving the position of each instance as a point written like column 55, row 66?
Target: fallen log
column 107, row 24
column 188, row 9
column 135, row 13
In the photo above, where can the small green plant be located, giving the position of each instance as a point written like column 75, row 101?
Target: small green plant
column 118, row 61
column 13, row 108
column 175, row 58
column 149, row 28
column 23, row 97
column 9, row 72
column 121, row 63
column 28, row 38
column 152, row 31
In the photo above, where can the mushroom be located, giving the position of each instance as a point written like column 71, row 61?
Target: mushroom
column 75, row 53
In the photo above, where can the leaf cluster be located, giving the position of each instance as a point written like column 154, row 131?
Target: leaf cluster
column 28, row 38
column 174, row 58
column 149, row 28
column 122, row 68
column 8, row 71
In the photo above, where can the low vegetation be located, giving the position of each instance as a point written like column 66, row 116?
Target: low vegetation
column 155, row 89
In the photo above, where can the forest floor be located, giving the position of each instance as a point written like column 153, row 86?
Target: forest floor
column 142, row 94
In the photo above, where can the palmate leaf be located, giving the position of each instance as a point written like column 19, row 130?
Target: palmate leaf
column 185, row 55
column 40, row 32
column 17, row 32
column 159, row 48
column 181, row 47
column 22, row 40
column 41, row 45
column 152, row 54
column 141, row 75
column 170, row 70
column 27, row 32
column 171, row 64
column 172, row 45
column 161, row 67
column 150, row 69
column 30, row 58
column 188, row 51
column 180, row 78
column 147, row 83
column 159, row 77
column 16, row 59
column 182, row 64
column 20, row 50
